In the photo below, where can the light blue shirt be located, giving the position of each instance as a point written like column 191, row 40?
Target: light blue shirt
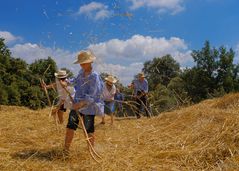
column 139, row 86
column 89, row 89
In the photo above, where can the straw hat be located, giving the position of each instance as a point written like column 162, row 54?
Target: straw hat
column 61, row 74
column 84, row 57
column 111, row 79
column 141, row 74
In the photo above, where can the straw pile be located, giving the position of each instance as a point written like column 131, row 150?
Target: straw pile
column 200, row 137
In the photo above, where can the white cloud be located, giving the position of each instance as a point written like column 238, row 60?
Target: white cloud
column 122, row 58
column 124, row 73
column 140, row 48
column 94, row 10
column 9, row 37
column 31, row 52
column 173, row 6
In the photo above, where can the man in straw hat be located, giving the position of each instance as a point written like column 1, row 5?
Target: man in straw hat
column 64, row 101
column 109, row 91
column 140, row 93
column 87, row 100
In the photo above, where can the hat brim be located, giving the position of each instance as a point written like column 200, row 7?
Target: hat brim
column 85, row 62
column 60, row 76
column 111, row 81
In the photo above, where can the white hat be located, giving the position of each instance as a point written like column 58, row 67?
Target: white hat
column 84, row 57
column 111, row 79
column 61, row 74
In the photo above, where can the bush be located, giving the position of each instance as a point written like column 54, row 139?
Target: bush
column 161, row 100
column 34, row 95
column 3, row 96
column 14, row 97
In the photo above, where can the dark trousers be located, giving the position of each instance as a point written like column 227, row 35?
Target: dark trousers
column 141, row 103
column 73, row 121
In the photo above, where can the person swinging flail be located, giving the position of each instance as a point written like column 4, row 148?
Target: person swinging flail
column 64, row 102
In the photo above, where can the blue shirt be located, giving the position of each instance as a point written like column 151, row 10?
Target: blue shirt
column 89, row 89
column 139, row 86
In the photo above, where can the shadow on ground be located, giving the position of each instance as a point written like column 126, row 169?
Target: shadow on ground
column 49, row 155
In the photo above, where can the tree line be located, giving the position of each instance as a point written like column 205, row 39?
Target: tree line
column 19, row 81
column 213, row 75
column 171, row 86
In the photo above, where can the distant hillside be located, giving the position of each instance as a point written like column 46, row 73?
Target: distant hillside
column 204, row 136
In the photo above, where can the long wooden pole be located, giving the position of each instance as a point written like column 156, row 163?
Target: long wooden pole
column 45, row 89
column 46, row 92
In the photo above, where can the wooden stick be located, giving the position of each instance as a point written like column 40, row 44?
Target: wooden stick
column 46, row 69
column 45, row 90
column 43, row 83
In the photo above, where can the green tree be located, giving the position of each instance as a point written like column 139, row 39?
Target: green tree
column 23, row 85
column 19, row 82
column 4, row 49
column 206, row 64
column 177, row 88
column 161, row 70
column 4, row 54
column 196, row 84
column 34, row 96
column 160, row 99
column 18, row 66
column 213, row 75
column 235, row 77
column 225, row 69
column 3, row 94
column 43, row 68
column 14, row 97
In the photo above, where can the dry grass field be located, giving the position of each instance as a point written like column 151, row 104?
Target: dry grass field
column 204, row 136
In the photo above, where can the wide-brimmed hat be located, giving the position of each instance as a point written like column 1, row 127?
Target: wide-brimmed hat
column 141, row 74
column 61, row 74
column 84, row 56
column 111, row 79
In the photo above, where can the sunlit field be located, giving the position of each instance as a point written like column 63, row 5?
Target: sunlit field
column 204, row 136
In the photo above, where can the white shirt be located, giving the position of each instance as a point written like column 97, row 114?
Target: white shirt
column 63, row 94
column 109, row 95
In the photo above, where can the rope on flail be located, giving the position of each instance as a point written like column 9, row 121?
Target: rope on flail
column 92, row 151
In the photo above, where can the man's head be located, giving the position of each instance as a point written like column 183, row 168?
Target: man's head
column 110, row 80
column 61, row 74
column 85, row 59
column 141, row 76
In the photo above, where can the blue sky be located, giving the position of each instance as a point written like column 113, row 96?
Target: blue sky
column 123, row 34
